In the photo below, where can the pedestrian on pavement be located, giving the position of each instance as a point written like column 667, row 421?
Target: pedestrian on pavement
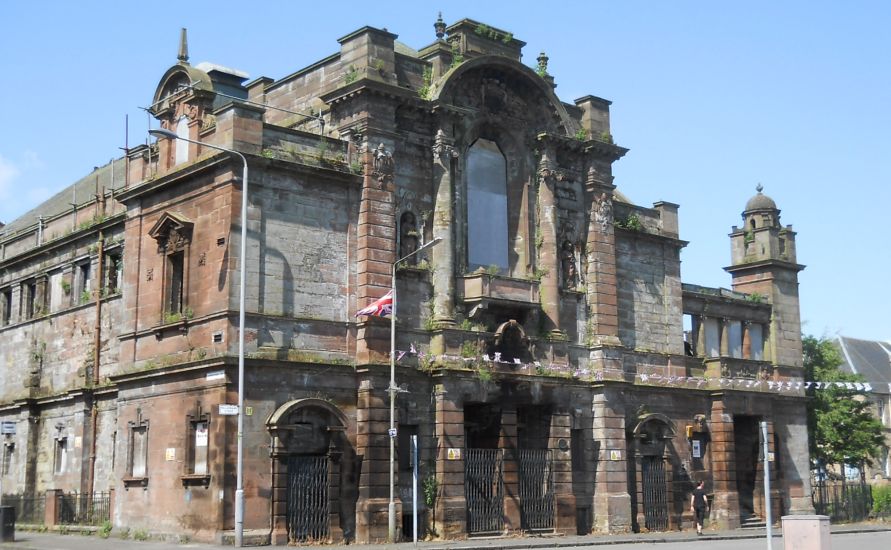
column 699, row 506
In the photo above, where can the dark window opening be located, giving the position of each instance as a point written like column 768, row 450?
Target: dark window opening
column 5, row 306
column 114, row 266
column 482, row 426
column 533, row 427
column 175, row 284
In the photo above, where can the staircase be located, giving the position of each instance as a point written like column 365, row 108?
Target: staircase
column 751, row 521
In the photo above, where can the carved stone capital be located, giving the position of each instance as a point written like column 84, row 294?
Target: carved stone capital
column 442, row 147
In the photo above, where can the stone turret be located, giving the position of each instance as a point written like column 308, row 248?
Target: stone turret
column 763, row 264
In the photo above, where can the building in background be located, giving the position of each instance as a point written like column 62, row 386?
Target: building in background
column 872, row 361
column 542, row 357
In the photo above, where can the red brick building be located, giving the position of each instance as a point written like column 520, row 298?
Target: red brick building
column 542, row 358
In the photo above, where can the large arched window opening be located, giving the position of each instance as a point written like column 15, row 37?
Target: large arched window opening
column 487, row 239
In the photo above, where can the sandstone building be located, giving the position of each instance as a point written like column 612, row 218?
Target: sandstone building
column 542, row 357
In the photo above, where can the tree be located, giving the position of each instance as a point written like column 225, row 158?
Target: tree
column 842, row 429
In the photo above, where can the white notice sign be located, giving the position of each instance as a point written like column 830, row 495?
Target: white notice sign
column 697, row 449
column 228, row 410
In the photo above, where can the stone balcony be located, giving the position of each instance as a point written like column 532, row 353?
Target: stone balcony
column 486, row 289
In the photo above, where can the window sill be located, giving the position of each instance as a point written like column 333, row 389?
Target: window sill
column 135, row 482
column 192, row 480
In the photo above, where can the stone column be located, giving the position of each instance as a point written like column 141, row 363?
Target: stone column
column 746, row 350
column 725, row 511
column 451, row 506
column 602, row 290
column 443, row 215
column 701, row 344
column 373, row 444
column 376, row 249
column 612, row 503
column 548, row 256
column 725, row 338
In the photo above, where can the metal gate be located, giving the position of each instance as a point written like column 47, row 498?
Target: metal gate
column 536, row 489
column 307, row 498
column 655, row 497
column 484, row 491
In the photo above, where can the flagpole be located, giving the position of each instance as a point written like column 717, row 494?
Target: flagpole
column 391, row 507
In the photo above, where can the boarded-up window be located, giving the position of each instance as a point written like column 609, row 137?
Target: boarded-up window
column 487, row 239
column 712, row 338
column 734, row 337
column 138, row 451
column 756, row 342
column 175, row 272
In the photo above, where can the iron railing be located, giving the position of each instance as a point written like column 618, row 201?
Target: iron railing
column 842, row 501
column 28, row 509
column 308, row 499
column 536, row 489
column 83, row 508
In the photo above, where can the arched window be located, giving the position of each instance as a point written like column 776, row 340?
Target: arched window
column 182, row 146
column 487, row 240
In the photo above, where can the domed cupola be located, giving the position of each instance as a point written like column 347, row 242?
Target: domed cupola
column 761, row 211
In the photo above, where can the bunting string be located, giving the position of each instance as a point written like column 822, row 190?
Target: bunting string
column 645, row 378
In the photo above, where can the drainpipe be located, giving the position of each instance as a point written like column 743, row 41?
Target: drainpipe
column 97, row 341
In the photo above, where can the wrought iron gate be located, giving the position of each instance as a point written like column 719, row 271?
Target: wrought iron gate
column 655, row 498
column 484, row 490
column 536, row 489
column 307, row 498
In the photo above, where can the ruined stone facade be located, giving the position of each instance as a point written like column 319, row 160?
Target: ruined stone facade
column 541, row 353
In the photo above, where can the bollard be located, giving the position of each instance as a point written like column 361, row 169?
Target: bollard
column 806, row 533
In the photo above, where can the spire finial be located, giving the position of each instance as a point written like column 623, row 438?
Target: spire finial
column 543, row 63
column 440, row 27
column 759, row 187
column 183, row 55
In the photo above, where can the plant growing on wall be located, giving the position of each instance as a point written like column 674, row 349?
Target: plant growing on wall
column 351, row 75
column 630, row 222
column 425, row 92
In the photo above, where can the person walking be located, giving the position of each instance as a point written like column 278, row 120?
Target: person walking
column 699, row 506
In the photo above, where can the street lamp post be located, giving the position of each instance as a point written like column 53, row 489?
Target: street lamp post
column 239, row 467
column 393, row 389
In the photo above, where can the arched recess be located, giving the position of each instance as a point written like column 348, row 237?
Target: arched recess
column 313, row 487
column 650, row 474
column 511, row 342
column 507, row 107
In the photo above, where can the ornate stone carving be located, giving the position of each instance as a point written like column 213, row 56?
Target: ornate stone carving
column 568, row 265
column 383, row 165
column 603, row 212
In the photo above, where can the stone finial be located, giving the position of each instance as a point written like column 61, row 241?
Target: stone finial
column 543, row 63
column 440, row 27
column 183, row 55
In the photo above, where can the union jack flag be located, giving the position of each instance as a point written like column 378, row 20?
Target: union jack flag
column 382, row 307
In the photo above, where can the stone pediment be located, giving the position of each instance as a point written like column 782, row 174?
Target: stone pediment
column 172, row 231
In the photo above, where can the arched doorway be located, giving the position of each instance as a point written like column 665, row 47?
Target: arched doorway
column 651, row 473
column 311, row 458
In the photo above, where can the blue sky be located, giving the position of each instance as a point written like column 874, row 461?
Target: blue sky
column 711, row 97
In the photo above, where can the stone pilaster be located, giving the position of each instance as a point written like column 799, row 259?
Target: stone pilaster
column 602, row 290
column 548, row 257
column 443, row 253
column 612, row 503
column 561, row 469
column 451, row 506
column 376, row 247
column 511, row 476
column 373, row 444
column 725, row 509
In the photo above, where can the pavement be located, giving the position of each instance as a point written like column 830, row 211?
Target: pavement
column 32, row 540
